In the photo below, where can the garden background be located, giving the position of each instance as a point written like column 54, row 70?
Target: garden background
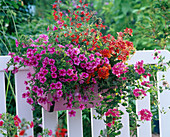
column 148, row 18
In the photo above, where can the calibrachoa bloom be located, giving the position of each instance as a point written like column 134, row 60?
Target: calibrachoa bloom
column 72, row 113
column 145, row 114
column 137, row 92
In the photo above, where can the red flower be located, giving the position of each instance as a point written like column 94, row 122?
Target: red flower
column 1, row 123
column 80, row 1
column 22, row 132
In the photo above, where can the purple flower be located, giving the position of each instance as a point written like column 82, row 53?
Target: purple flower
column 81, row 107
column 17, row 59
column 69, row 106
column 85, row 98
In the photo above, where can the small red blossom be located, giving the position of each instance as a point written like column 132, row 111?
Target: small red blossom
column 22, row 132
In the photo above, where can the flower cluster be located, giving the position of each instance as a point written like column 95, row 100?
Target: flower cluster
column 145, row 114
column 73, row 58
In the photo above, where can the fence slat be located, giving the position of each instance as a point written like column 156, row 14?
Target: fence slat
column 23, row 109
column 2, row 93
column 125, row 131
column 164, row 99
column 145, row 128
column 49, row 120
column 96, row 125
column 74, row 124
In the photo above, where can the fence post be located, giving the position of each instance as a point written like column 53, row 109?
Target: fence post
column 23, row 109
column 164, row 99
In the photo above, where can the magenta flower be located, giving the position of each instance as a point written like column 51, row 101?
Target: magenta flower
column 50, row 132
column 70, row 72
column 76, row 61
column 145, row 114
column 43, row 80
column 58, row 85
column 76, row 51
column 69, row 106
column 74, row 78
column 53, row 75
column 82, row 57
column 53, row 86
column 35, row 89
column 38, row 57
column 109, row 124
column 59, row 93
column 16, row 43
column 55, row 28
column 139, row 67
column 82, row 65
column 88, row 65
column 17, row 59
column 91, row 57
column 30, row 101
column 62, row 72
column 119, row 69
column 51, row 61
column 85, row 75
column 82, row 106
column 85, row 99
column 40, row 92
column 72, row 113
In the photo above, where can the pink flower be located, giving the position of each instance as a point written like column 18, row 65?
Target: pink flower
column 119, row 69
column 58, row 85
column 1, row 123
column 76, row 61
column 53, row 75
column 50, row 132
column 82, row 106
column 51, row 61
column 0, row 116
column 43, row 80
column 31, row 124
column 69, row 72
column 156, row 54
column 55, row 28
column 30, row 101
column 139, row 67
column 94, row 81
column 72, row 113
column 62, row 72
column 53, row 69
column 109, row 124
column 53, row 86
column 55, row 98
column 17, row 59
column 145, row 114
column 48, row 28
column 82, row 57
column 91, row 57
column 16, row 43
column 124, row 78
column 146, row 83
column 69, row 106
column 76, row 51
column 59, row 93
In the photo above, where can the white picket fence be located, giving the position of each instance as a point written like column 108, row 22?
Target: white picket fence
column 74, row 124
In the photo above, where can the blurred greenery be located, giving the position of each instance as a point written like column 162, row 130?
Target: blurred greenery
column 149, row 20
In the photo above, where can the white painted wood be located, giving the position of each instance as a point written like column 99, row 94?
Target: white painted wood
column 145, row 128
column 96, row 125
column 49, row 120
column 164, row 99
column 74, row 124
column 147, row 57
column 125, row 130
column 23, row 109
column 2, row 93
